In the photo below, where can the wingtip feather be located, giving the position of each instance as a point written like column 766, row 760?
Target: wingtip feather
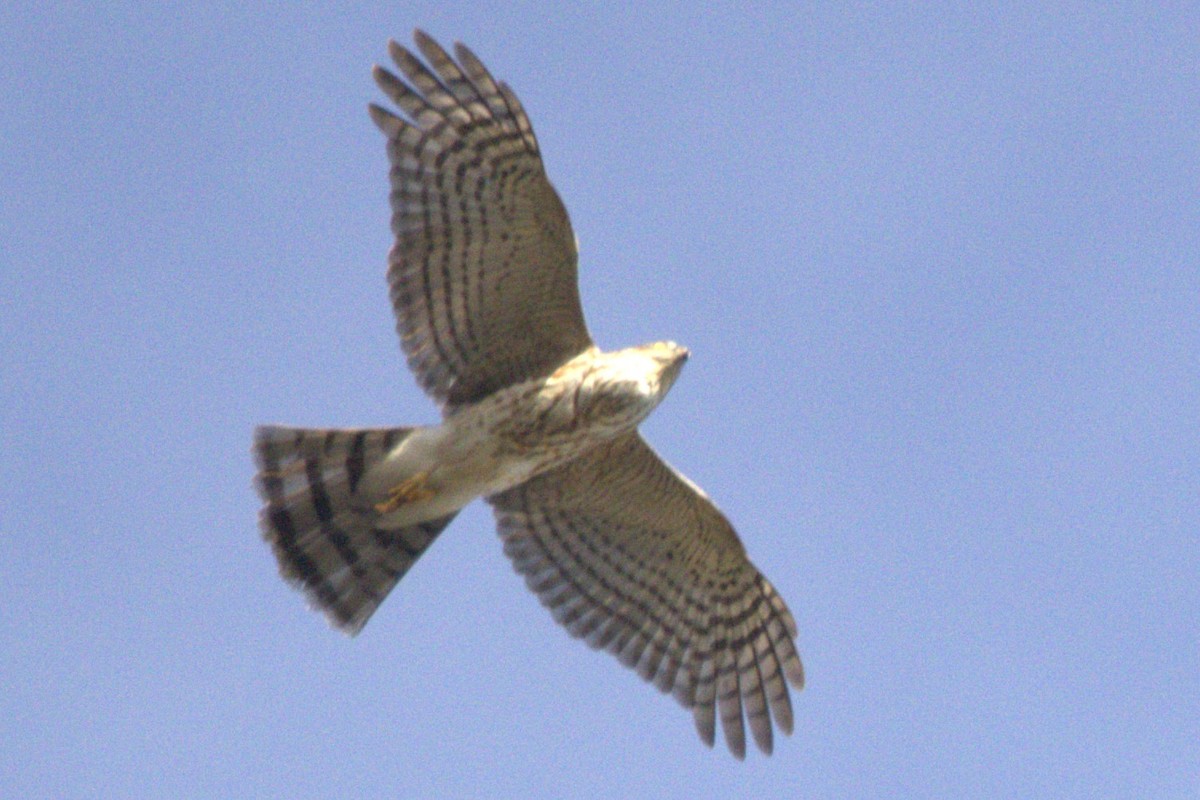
column 386, row 121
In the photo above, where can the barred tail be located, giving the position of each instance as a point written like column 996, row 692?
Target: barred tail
column 326, row 542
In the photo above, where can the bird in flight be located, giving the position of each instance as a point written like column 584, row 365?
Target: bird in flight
column 625, row 552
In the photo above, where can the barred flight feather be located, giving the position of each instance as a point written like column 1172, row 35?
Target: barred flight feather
column 483, row 272
column 607, row 542
column 323, row 539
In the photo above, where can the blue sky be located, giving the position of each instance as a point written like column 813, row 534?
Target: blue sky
column 938, row 272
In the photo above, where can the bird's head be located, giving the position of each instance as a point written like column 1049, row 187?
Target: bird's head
column 622, row 387
column 669, row 359
column 650, row 370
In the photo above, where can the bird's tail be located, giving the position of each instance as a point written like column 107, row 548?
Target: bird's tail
column 324, row 537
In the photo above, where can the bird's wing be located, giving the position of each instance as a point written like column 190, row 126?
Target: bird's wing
column 632, row 557
column 483, row 271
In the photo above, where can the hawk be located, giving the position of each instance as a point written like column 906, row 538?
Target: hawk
column 627, row 553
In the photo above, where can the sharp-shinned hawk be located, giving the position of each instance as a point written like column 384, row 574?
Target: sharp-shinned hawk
column 627, row 553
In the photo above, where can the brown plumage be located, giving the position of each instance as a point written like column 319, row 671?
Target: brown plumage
column 625, row 552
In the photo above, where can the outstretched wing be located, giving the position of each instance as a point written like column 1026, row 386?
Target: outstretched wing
column 483, row 273
column 632, row 557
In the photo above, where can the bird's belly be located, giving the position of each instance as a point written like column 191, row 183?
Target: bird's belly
column 534, row 427
column 487, row 448
column 437, row 471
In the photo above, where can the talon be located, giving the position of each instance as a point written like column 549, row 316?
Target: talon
column 410, row 490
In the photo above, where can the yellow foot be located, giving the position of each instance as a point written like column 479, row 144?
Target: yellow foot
column 409, row 490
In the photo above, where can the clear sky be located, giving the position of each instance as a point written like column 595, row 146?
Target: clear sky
column 939, row 274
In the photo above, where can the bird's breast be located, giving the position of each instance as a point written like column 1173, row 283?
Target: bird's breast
column 525, row 429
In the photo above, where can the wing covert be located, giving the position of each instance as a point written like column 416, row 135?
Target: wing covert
column 483, row 275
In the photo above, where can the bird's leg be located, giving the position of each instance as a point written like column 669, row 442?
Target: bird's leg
column 409, row 490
